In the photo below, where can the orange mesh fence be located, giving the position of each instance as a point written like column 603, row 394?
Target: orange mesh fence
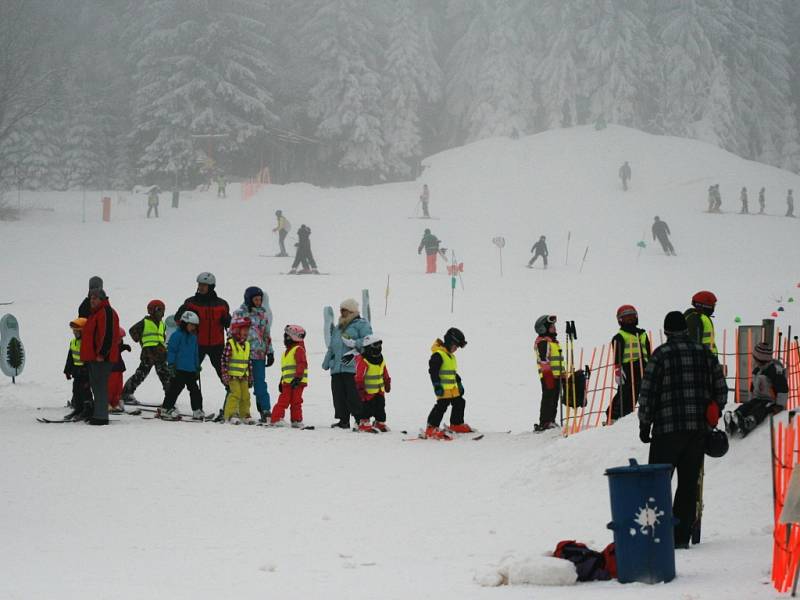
column 786, row 537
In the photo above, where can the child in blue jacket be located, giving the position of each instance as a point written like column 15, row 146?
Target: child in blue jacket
column 184, row 365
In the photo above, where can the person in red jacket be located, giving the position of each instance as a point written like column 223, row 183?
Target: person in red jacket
column 373, row 383
column 294, row 378
column 215, row 317
column 100, row 350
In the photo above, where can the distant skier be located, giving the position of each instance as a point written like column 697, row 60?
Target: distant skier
column 550, row 361
column 431, row 245
column 712, row 199
column 152, row 201
column 661, row 233
column 625, row 175
column 539, row 249
column 743, row 199
column 762, row 202
column 715, row 193
column 789, row 204
column 283, row 227
column 221, row 184
column 303, row 254
column 768, row 393
column 424, row 198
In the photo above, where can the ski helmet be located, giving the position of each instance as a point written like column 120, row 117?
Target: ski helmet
column 704, row 299
column 716, row 444
column 626, row 314
column 371, row 339
column 295, row 333
column 543, row 324
column 454, row 337
column 190, row 317
column 207, row 278
column 251, row 293
column 154, row 305
column 278, row 213
column 78, row 323
column 240, row 323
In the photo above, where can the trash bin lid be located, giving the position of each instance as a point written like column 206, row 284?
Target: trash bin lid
column 634, row 468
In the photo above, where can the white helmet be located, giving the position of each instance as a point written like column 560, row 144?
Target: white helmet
column 207, row 278
column 190, row 317
column 371, row 339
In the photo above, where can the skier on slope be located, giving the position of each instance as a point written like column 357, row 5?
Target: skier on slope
column 214, row 315
column 631, row 352
column 431, row 245
column 769, row 391
column 424, row 198
column 373, row 382
column 304, row 254
column 443, row 371
column 282, row 228
column 661, row 233
column 152, row 200
column 625, row 175
column 762, row 201
column 550, row 361
column 261, row 352
column 743, row 199
column 183, row 362
column 712, row 199
column 150, row 332
column 789, row 204
column 539, row 249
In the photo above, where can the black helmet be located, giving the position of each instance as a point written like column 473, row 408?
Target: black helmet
column 278, row 212
column 543, row 324
column 716, row 443
column 454, row 337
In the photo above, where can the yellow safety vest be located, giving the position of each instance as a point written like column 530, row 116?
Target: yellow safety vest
column 635, row 348
column 708, row 333
column 373, row 378
column 75, row 351
column 240, row 358
column 447, row 374
column 289, row 366
column 152, row 334
column 555, row 359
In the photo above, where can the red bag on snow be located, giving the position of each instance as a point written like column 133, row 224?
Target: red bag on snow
column 590, row 565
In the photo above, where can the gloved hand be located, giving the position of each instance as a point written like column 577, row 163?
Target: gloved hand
column 295, row 383
column 387, row 387
column 712, row 414
column 438, row 389
column 644, row 432
column 270, row 359
column 460, row 388
column 619, row 376
column 124, row 348
column 547, row 377
column 67, row 375
column 280, row 387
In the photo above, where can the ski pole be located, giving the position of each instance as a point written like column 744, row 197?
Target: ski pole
column 569, row 237
column 584, row 259
column 386, row 303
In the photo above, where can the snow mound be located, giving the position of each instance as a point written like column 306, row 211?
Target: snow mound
column 539, row 570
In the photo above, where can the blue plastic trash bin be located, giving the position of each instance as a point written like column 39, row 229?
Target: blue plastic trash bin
column 642, row 522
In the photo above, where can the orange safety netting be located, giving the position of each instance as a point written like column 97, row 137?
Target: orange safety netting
column 251, row 186
column 786, row 537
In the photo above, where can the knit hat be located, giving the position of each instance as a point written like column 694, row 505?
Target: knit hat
column 95, row 283
column 675, row 322
column 99, row 293
column 762, row 352
column 350, row 304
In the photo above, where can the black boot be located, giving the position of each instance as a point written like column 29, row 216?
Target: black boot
column 97, row 421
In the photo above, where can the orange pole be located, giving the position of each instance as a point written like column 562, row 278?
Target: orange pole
column 736, row 386
column 596, row 380
column 608, row 366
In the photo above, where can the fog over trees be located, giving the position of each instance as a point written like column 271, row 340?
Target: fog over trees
column 109, row 93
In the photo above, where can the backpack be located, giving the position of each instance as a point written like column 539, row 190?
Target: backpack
column 590, row 565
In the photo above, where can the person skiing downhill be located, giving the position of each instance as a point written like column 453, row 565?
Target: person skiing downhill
column 443, row 371
column 424, row 198
column 304, row 254
column 539, row 249
column 661, row 233
column 550, row 362
column 743, row 199
column 625, row 175
column 631, row 353
column 430, row 243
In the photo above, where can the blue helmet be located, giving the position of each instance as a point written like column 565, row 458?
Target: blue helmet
column 251, row 293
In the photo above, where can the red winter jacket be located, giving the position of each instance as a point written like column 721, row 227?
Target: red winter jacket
column 214, row 316
column 101, row 335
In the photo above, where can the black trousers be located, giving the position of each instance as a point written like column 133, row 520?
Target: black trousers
column 375, row 408
column 548, row 409
column 758, row 408
column 346, row 400
column 99, row 372
column 684, row 450
column 214, row 354
column 456, row 413
column 537, row 255
column 81, row 389
column 183, row 379
column 666, row 245
column 304, row 256
column 624, row 400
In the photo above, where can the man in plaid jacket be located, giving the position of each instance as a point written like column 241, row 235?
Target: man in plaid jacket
column 683, row 392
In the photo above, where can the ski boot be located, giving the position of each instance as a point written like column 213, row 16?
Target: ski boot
column 234, row 419
column 460, row 428
column 129, row 399
column 248, row 420
column 265, row 415
column 731, row 425
column 380, row 426
column 297, row 425
column 292, row 271
column 198, row 415
column 364, row 426
column 434, row 433
column 280, row 423
column 168, row 414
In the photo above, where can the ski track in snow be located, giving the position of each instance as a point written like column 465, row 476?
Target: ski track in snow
column 146, row 509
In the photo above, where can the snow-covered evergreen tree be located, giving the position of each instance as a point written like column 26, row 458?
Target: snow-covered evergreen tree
column 411, row 79
column 346, row 99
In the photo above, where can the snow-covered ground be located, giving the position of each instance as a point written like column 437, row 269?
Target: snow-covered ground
column 146, row 509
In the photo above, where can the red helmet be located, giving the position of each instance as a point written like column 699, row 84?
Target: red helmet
column 295, row 333
column 153, row 305
column 704, row 299
column 240, row 323
column 627, row 314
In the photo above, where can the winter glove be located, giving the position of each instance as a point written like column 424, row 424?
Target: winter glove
column 547, row 377
column 68, row 376
column 124, row 348
column 438, row 389
column 387, row 386
column 644, row 432
column 295, row 383
column 619, row 376
column 712, row 414
column 280, row 387
column 270, row 359
column 460, row 388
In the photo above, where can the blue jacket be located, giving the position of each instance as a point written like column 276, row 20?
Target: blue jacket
column 182, row 351
column 335, row 358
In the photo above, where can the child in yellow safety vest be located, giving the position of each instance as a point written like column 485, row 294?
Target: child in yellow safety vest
column 294, row 378
column 75, row 369
column 443, row 370
column 550, row 361
column 373, row 383
column 237, row 374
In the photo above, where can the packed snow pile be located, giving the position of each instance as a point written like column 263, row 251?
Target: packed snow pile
column 539, row 570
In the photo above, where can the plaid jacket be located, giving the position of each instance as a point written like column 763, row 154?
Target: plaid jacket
column 680, row 380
